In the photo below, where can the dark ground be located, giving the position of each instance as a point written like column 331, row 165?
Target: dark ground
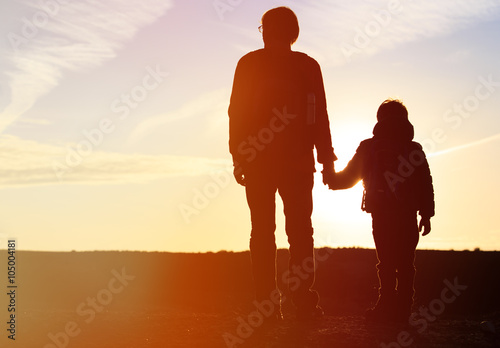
column 199, row 300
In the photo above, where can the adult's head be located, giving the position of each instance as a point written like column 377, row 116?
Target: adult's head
column 280, row 25
column 392, row 108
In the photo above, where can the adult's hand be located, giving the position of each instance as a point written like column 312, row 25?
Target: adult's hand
column 328, row 172
column 425, row 225
column 239, row 176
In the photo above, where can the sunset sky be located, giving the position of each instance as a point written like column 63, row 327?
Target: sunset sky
column 114, row 127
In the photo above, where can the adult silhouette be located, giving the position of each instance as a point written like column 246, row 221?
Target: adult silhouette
column 277, row 115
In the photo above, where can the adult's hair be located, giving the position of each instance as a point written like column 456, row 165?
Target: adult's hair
column 391, row 108
column 280, row 24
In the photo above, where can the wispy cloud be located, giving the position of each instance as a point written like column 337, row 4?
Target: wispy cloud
column 35, row 121
column 206, row 105
column 77, row 35
column 333, row 23
column 490, row 139
column 26, row 162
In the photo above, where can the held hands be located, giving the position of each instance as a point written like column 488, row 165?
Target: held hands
column 425, row 225
column 328, row 174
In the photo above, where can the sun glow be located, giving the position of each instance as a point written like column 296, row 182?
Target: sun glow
column 133, row 181
column 338, row 218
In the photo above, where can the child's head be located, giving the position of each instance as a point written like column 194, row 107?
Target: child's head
column 391, row 108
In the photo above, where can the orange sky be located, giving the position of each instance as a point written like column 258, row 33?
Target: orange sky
column 114, row 121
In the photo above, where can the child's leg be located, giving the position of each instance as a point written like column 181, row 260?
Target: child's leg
column 408, row 239
column 383, row 235
column 396, row 237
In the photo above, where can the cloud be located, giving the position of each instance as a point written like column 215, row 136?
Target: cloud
column 335, row 32
column 26, row 162
column 490, row 139
column 458, row 56
column 73, row 36
column 208, row 104
column 35, row 121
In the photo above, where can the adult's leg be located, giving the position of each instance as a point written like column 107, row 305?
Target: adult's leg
column 261, row 192
column 295, row 188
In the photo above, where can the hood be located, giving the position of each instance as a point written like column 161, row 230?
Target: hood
column 395, row 128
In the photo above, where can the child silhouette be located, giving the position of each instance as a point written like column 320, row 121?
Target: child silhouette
column 398, row 184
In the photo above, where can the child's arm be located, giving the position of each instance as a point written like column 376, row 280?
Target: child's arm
column 348, row 177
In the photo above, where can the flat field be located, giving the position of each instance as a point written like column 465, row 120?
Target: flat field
column 139, row 299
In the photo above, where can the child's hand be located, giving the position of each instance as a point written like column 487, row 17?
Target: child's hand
column 425, row 224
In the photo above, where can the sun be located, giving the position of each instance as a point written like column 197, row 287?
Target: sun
column 337, row 217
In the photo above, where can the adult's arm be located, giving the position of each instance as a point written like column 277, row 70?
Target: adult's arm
column 425, row 187
column 321, row 132
column 239, row 108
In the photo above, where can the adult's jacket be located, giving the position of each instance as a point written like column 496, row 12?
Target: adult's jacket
column 277, row 112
